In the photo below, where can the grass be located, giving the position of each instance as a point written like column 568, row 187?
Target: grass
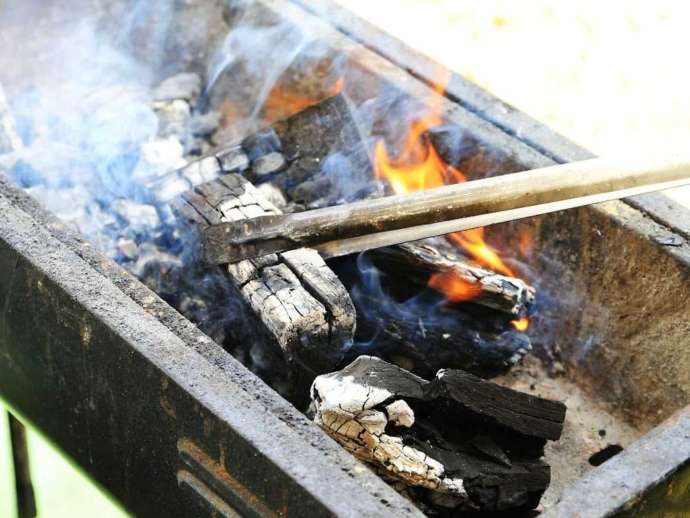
column 61, row 489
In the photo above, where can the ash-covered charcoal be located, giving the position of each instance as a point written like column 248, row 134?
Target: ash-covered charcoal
column 296, row 317
column 273, row 194
column 202, row 170
column 262, row 143
column 138, row 215
column 233, row 159
column 164, row 188
column 265, row 166
column 456, row 442
column 299, row 171
column 312, row 191
column 184, row 86
column 173, row 119
column 203, row 125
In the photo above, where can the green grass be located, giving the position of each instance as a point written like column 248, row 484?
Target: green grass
column 61, row 489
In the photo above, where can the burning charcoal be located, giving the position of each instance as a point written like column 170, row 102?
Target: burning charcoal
column 273, row 194
column 261, row 143
column 267, row 165
column 417, row 261
column 295, row 308
column 204, row 125
column 457, row 442
column 136, row 214
column 185, row 86
column 203, row 170
column 298, row 172
column 233, row 160
column 426, row 346
column 317, row 131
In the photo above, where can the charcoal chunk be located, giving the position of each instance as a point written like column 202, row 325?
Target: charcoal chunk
column 261, row 143
column 455, row 442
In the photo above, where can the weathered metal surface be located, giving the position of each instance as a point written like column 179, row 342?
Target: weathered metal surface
column 119, row 381
column 159, row 414
column 621, row 483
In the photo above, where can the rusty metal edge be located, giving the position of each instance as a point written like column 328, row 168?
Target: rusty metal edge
column 116, row 377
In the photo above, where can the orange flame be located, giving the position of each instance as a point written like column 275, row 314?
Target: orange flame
column 418, row 166
column 283, row 101
column 521, row 325
column 454, row 287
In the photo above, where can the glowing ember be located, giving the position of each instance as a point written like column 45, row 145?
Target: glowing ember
column 521, row 324
column 283, row 101
column 454, row 287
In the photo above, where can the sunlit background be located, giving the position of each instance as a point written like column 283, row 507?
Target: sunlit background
column 612, row 76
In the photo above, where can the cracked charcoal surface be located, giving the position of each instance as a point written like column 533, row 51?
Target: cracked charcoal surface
column 295, row 307
column 456, row 441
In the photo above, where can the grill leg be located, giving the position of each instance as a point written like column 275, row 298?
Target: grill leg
column 26, row 503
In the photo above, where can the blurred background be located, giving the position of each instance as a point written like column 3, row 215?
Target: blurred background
column 610, row 76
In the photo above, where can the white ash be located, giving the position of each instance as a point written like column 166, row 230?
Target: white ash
column 357, row 416
column 204, row 125
column 201, row 171
column 233, row 160
column 185, row 86
column 173, row 118
column 273, row 194
column 159, row 156
column 138, row 215
column 267, row 165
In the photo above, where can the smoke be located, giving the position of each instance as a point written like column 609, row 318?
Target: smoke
column 81, row 92
column 81, row 106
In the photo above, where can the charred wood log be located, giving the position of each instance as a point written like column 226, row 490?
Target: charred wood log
column 417, row 261
column 457, row 442
column 452, row 340
column 296, row 309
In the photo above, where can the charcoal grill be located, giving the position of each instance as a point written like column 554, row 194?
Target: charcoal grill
column 169, row 423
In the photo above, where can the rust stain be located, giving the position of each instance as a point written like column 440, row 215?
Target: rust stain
column 166, row 405
column 218, row 472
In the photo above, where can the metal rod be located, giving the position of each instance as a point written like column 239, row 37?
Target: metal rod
column 581, row 183
column 26, row 502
